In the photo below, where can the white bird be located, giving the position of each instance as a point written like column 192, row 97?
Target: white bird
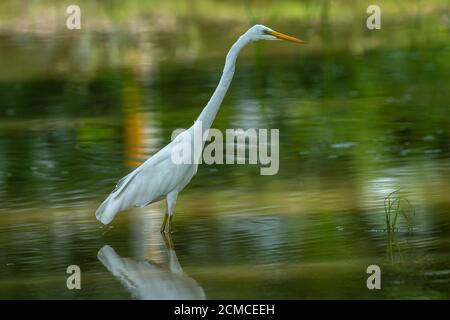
column 146, row 280
column 160, row 176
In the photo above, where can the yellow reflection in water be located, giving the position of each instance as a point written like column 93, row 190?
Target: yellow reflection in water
column 135, row 123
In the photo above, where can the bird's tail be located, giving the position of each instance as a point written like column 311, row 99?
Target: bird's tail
column 107, row 210
column 125, row 195
column 110, row 259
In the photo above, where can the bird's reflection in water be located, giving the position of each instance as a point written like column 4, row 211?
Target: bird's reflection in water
column 151, row 281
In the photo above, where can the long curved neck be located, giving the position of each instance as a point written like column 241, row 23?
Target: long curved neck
column 210, row 111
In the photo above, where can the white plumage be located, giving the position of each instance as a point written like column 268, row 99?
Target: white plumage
column 160, row 177
column 148, row 281
column 157, row 178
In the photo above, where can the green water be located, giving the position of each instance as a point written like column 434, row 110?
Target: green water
column 80, row 109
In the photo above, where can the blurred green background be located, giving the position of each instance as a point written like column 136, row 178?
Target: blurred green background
column 361, row 113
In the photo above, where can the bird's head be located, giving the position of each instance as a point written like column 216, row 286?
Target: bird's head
column 260, row 32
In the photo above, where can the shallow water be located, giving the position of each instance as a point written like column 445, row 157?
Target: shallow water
column 353, row 128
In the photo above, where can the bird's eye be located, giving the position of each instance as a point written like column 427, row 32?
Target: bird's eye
column 266, row 31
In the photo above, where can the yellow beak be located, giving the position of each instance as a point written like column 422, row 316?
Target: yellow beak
column 283, row 36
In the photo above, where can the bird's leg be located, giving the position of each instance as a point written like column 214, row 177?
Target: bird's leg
column 170, row 223
column 163, row 226
column 168, row 241
column 171, row 199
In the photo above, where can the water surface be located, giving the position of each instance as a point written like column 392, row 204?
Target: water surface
column 80, row 111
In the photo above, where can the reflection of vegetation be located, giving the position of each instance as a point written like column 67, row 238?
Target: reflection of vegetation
column 393, row 246
column 351, row 105
column 166, row 12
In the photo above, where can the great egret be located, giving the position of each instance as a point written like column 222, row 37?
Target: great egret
column 147, row 280
column 160, row 177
